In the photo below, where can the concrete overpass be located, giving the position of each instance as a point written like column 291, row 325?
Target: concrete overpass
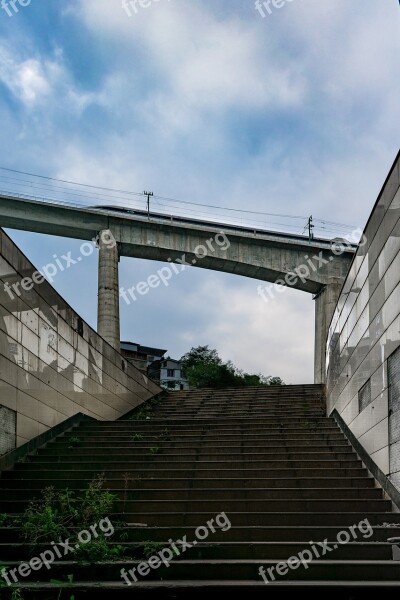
column 313, row 266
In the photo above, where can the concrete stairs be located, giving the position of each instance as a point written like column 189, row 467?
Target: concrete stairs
column 269, row 458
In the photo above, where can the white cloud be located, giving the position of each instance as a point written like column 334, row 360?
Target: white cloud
column 26, row 79
column 42, row 83
column 203, row 62
column 273, row 338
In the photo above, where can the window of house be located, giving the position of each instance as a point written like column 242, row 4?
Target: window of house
column 170, row 372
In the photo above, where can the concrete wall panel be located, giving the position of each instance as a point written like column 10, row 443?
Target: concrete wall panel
column 52, row 364
column 365, row 331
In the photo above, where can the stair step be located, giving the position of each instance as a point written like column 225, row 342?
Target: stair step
column 207, row 452
column 207, row 494
column 189, row 474
column 236, row 551
column 10, row 480
column 269, row 458
column 197, row 588
column 244, row 533
column 344, row 519
column 243, row 570
column 232, row 505
column 223, row 440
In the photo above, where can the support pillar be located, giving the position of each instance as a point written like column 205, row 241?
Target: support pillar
column 108, row 324
column 325, row 304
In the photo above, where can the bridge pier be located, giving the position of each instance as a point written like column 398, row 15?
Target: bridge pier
column 108, row 323
column 325, row 304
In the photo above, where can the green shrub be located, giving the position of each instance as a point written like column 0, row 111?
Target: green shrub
column 53, row 516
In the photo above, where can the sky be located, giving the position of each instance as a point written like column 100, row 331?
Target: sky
column 207, row 101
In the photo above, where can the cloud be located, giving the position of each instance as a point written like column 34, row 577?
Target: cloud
column 27, row 80
column 270, row 338
column 42, row 83
column 207, row 102
column 201, row 62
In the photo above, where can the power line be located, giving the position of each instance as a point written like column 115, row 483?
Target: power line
column 37, row 185
column 251, row 212
column 332, row 222
column 118, row 191
column 86, row 185
column 162, row 198
column 236, row 219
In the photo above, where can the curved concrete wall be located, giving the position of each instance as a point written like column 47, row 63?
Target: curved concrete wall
column 365, row 331
column 52, row 364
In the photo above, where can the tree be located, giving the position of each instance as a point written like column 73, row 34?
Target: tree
column 200, row 355
column 254, row 380
column 275, row 381
column 204, row 368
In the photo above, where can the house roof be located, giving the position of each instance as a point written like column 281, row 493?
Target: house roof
column 133, row 347
column 173, row 360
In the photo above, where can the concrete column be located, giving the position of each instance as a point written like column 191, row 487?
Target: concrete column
column 325, row 304
column 108, row 325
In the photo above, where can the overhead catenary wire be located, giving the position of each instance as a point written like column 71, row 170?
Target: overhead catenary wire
column 87, row 185
column 89, row 192
column 118, row 191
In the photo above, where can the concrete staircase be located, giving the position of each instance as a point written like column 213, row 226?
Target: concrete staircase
column 269, row 458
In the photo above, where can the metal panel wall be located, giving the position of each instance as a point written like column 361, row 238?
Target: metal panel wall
column 394, row 415
column 365, row 331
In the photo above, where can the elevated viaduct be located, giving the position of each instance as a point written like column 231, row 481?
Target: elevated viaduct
column 320, row 266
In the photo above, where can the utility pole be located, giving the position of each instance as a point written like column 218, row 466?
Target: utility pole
column 310, row 227
column 149, row 195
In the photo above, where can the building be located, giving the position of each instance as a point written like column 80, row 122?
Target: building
column 141, row 356
column 169, row 374
column 152, row 361
column 363, row 345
